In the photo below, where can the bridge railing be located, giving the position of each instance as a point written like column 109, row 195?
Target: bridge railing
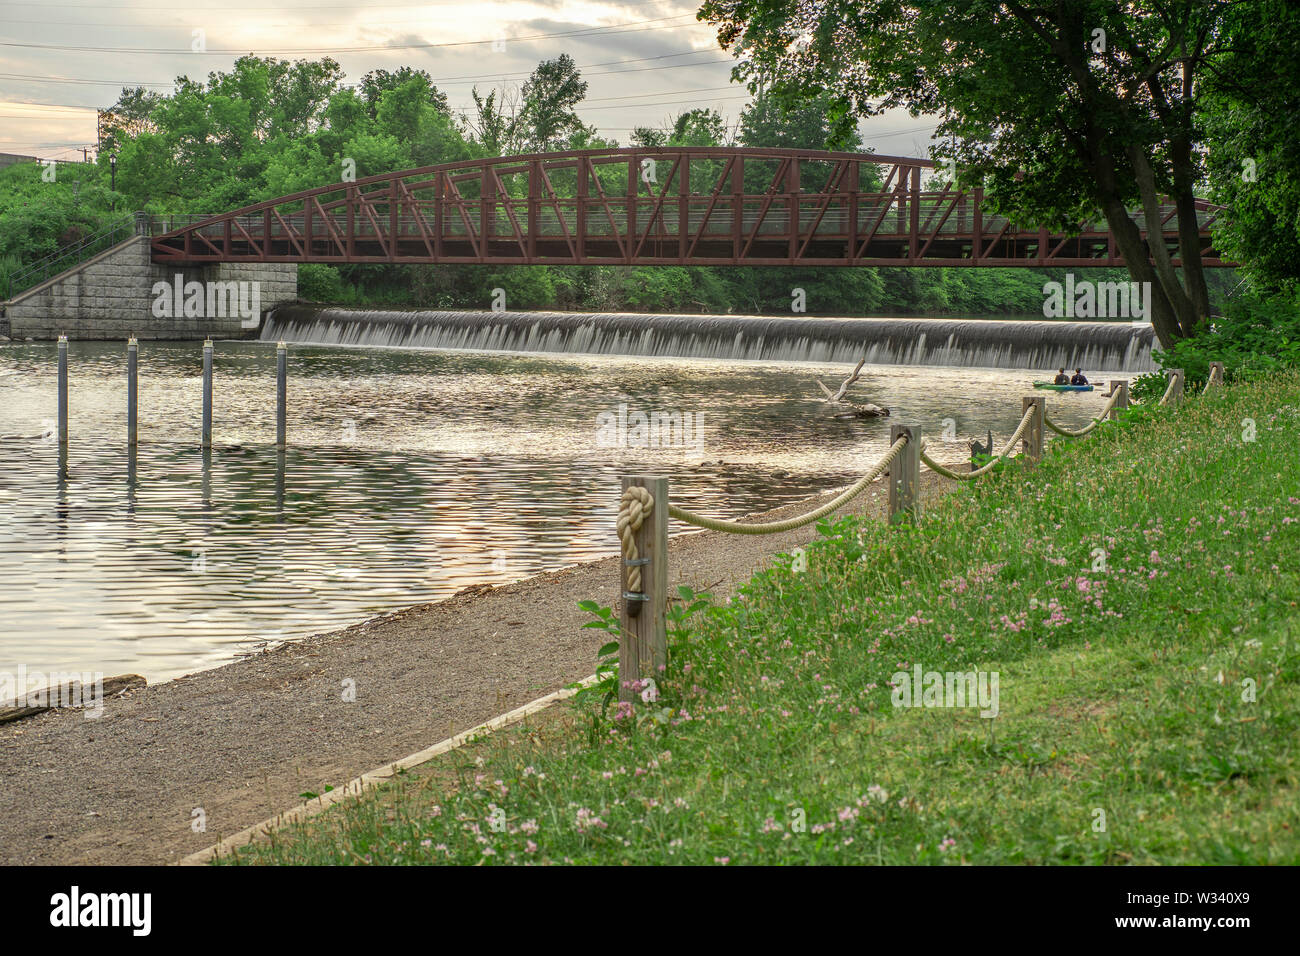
column 587, row 206
column 611, row 218
column 124, row 227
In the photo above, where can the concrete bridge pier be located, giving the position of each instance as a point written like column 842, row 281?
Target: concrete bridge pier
column 113, row 295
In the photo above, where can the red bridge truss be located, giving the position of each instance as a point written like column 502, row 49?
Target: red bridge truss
column 666, row 206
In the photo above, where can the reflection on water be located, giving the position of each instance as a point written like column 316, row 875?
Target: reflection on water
column 409, row 475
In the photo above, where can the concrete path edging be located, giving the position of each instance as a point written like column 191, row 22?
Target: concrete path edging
column 368, row 781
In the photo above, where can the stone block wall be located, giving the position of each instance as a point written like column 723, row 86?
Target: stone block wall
column 110, row 296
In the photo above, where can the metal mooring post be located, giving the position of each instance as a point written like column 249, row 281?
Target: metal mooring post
column 905, row 475
column 132, row 353
column 1032, row 443
column 281, row 391
column 207, row 394
column 643, row 644
column 63, row 391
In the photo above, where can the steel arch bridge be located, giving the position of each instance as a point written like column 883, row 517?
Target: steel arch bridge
column 718, row 206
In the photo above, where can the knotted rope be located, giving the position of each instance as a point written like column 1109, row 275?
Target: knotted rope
column 1087, row 428
column 967, row 476
column 1213, row 380
column 634, row 507
column 789, row 524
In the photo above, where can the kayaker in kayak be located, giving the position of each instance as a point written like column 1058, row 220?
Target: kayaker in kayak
column 1078, row 378
column 1061, row 378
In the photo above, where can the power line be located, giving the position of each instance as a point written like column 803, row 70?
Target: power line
column 179, row 23
column 598, row 99
column 446, row 81
column 586, row 32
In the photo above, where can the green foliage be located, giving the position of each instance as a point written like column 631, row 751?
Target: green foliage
column 807, row 124
column 606, row 687
column 1254, row 156
column 1256, row 335
column 319, row 283
column 39, row 218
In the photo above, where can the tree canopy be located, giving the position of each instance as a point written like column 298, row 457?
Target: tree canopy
column 1063, row 112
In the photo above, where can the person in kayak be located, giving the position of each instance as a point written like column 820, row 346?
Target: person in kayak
column 1061, row 378
column 1078, row 378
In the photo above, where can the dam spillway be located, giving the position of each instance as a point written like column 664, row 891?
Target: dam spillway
column 973, row 343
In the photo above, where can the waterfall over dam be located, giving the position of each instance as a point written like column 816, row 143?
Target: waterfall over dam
column 977, row 343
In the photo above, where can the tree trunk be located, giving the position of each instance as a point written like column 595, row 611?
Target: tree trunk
column 1177, row 297
column 1129, row 239
column 1189, row 232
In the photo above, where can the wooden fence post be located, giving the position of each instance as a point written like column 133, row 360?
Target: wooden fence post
column 905, row 475
column 643, row 648
column 1118, row 388
column 1176, row 396
column 1032, row 443
column 1216, row 374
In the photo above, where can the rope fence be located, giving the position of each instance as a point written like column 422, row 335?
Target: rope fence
column 644, row 509
column 789, row 524
column 1080, row 432
column 986, row 468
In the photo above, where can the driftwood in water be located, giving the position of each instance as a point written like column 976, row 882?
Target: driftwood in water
column 74, row 691
column 840, row 408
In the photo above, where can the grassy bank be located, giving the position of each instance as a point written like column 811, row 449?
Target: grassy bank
column 1136, row 594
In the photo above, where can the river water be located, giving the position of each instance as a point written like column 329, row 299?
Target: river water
column 409, row 475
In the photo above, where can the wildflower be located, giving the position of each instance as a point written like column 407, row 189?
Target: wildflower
column 586, row 820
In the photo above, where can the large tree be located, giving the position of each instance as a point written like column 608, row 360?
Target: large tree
column 1253, row 101
column 1064, row 111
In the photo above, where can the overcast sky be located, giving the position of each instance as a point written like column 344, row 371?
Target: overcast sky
column 644, row 60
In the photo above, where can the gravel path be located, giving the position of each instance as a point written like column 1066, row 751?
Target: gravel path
column 243, row 741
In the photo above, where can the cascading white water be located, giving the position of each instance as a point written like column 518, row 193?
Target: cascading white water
column 970, row 343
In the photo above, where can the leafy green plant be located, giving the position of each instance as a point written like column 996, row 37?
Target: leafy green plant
column 606, row 687
column 678, row 627
column 1257, row 335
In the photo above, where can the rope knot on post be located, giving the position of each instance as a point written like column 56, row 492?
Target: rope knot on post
column 633, row 508
column 643, row 537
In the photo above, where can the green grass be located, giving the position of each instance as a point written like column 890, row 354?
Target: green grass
column 1126, row 731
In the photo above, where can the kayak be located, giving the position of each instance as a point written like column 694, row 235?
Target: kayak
column 1063, row 388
